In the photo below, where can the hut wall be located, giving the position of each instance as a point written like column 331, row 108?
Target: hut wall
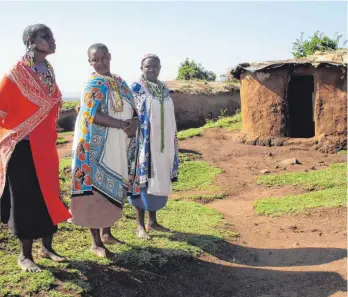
column 193, row 110
column 262, row 102
column 331, row 101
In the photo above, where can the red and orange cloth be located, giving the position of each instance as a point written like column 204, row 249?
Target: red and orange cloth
column 28, row 108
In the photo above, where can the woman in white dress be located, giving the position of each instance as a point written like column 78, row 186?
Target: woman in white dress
column 103, row 151
column 157, row 162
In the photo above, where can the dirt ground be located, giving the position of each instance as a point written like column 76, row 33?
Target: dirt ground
column 290, row 256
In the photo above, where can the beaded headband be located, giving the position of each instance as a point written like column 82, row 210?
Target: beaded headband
column 147, row 56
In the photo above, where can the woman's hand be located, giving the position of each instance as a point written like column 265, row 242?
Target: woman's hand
column 132, row 128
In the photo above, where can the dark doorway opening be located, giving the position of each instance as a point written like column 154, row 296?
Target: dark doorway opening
column 301, row 105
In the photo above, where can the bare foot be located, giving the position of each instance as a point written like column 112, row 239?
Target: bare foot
column 109, row 239
column 50, row 254
column 141, row 233
column 103, row 252
column 158, row 227
column 28, row 265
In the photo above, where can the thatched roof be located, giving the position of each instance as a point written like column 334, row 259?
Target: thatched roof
column 337, row 58
column 200, row 87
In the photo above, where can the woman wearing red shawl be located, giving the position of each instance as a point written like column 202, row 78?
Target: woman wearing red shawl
column 29, row 165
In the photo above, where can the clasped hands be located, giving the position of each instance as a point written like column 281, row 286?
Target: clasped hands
column 130, row 127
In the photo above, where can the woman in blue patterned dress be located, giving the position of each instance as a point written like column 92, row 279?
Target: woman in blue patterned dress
column 157, row 162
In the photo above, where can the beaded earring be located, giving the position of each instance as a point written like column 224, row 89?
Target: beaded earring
column 30, row 54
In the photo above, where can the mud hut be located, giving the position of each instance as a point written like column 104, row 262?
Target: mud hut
column 298, row 98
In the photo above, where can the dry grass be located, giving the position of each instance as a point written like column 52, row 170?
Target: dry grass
column 201, row 87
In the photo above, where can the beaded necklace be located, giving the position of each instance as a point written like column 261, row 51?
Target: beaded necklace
column 161, row 100
column 117, row 103
column 47, row 78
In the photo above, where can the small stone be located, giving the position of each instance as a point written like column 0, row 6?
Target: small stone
column 270, row 154
column 276, row 167
column 313, row 168
column 306, row 170
column 292, row 161
column 265, row 171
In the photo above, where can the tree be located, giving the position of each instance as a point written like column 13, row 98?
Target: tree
column 317, row 42
column 190, row 70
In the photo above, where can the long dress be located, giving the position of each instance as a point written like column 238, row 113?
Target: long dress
column 29, row 165
column 158, row 151
column 101, row 155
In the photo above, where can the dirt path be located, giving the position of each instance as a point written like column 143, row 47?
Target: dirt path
column 311, row 242
column 291, row 256
column 64, row 150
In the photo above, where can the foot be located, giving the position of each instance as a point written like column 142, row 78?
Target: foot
column 50, row 254
column 109, row 239
column 28, row 265
column 103, row 252
column 157, row 227
column 141, row 233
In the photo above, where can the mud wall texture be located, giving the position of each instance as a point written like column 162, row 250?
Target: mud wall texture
column 330, row 111
column 194, row 110
column 264, row 104
column 191, row 110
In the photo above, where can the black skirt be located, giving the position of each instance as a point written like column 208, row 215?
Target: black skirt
column 22, row 205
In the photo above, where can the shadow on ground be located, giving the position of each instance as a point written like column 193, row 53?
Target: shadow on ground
column 199, row 278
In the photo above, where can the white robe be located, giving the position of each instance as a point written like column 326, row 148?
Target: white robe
column 161, row 162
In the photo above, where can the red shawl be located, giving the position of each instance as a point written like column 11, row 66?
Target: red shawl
column 26, row 108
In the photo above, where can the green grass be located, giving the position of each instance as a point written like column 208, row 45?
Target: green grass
column 333, row 197
column 70, row 105
column 65, row 179
column 190, row 133
column 66, row 133
column 232, row 123
column 328, row 188
column 61, row 140
column 195, row 175
column 197, row 229
column 333, row 176
column 342, row 152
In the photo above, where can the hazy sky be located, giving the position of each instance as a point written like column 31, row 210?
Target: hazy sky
column 216, row 34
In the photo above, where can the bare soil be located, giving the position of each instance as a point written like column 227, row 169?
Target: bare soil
column 290, row 256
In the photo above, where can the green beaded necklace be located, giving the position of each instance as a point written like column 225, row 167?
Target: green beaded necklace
column 161, row 99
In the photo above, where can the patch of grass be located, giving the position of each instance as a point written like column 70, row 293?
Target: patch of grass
column 330, row 185
column 196, row 229
column 58, row 294
column 332, row 197
column 342, row 152
column 65, row 133
column 195, row 175
column 190, row 133
column 61, row 140
column 232, row 123
column 65, row 179
column 70, row 104
column 333, row 176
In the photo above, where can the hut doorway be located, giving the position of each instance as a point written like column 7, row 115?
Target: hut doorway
column 300, row 99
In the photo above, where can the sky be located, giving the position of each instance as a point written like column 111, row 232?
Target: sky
column 218, row 35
